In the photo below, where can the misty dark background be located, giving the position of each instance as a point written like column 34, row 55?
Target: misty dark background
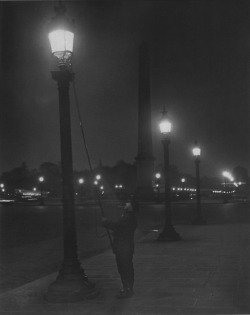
column 199, row 54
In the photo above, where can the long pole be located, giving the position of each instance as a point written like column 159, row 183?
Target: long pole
column 71, row 283
column 168, row 233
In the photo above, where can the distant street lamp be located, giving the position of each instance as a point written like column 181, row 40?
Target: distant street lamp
column 225, row 187
column 41, row 180
column 158, row 176
column 227, row 176
column 183, row 180
column 198, row 220
column 168, row 233
column 98, row 177
column 81, row 182
column 71, row 283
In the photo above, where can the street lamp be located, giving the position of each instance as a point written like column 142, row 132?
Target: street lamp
column 227, row 176
column 183, row 180
column 81, row 181
column 168, row 233
column 41, row 180
column 71, row 283
column 81, row 190
column 198, row 220
column 158, row 176
column 98, row 177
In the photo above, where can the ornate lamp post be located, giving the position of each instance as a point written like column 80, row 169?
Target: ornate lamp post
column 168, row 233
column 81, row 182
column 227, row 176
column 158, row 176
column 198, row 220
column 41, row 180
column 71, row 283
column 183, row 180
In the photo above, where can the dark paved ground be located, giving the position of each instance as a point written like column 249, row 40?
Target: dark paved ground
column 205, row 273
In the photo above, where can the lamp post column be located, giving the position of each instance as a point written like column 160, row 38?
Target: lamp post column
column 198, row 220
column 168, row 233
column 71, row 283
column 158, row 176
column 41, row 200
column 41, row 179
column 70, row 263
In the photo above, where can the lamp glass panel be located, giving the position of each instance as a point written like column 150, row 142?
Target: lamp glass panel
column 61, row 40
column 165, row 126
column 196, row 151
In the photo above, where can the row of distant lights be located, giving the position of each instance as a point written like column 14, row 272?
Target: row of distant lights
column 185, row 189
column 183, row 180
column 179, row 189
column 223, row 192
column 157, row 175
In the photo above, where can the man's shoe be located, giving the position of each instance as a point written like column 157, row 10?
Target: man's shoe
column 125, row 294
column 89, row 284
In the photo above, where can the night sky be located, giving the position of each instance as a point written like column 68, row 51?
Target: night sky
column 199, row 54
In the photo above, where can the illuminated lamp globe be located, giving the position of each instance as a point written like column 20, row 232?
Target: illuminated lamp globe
column 196, row 150
column 61, row 36
column 98, row 177
column 158, row 175
column 81, row 180
column 165, row 125
column 41, row 179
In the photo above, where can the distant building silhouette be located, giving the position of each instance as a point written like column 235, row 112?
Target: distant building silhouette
column 144, row 158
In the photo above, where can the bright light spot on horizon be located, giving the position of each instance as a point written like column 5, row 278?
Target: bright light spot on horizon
column 158, row 175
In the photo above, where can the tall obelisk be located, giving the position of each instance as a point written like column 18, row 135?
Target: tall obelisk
column 144, row 158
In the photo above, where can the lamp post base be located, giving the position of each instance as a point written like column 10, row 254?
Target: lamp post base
column 199, row 221
column 71, row 288
column 168, row 235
